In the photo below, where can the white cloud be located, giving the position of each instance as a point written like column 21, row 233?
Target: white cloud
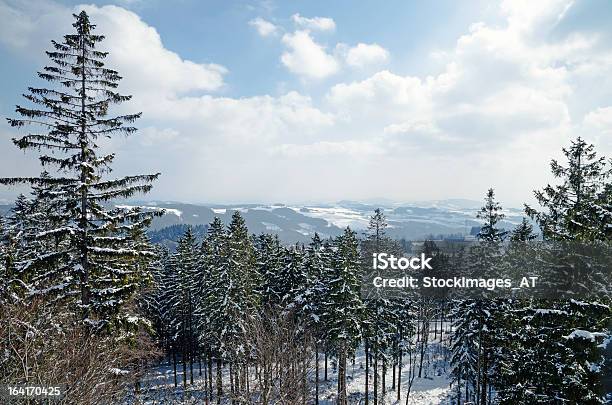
column 490, row 112
column 137, row 48
column 23, row 23
column 363, row 55
column 307, row 58
column 315, row 23
column 382, row 97
column 152, row 136
column 330, row 148
column 264, row 28
column 138, row 53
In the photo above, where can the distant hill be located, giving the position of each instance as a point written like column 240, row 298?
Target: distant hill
column 295, row 223
column 298, row 223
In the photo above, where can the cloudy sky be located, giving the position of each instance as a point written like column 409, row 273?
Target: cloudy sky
column 304, row 101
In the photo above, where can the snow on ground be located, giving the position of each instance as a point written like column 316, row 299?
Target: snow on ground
column 431, row 389
column 271, row 227
column 338, row 216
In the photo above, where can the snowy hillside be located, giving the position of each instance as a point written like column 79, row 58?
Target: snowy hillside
column 298, row 223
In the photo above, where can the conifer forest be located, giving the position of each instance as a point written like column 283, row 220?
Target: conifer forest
column 226, row 316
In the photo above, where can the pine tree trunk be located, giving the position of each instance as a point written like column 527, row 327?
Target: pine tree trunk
column 325, row 365
column 483, row 388
column 424, row 338
column 219, row 381
column 206, row 396
column 384, row 376
column 316, row 375
column 304, row 378
column 190, row 339
column 231, row 379
column 247, row 382
column 83, row 220
column 399, row 363
column 342, row 398
column 367, row 372
column 174, row 361
column 393, row 375
column 191, row 368
column 459, row 386
column 375, row 375
column 184, row 369
column 210, row 378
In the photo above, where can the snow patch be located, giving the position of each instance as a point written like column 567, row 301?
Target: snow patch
column 172, row 211
column 271, row 227
column 584, row 334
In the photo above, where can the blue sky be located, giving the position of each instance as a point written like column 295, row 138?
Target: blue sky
column 296, row 101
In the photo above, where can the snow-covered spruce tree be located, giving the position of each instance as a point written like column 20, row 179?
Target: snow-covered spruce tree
column 294, row 281
column 245, row 282
column 33, row 266
column 70, row 118
column 317, row 264
column 465, row 349
column 381, row 320
column 269, row 259
column 514, row 340
column 578, row 209
column 153, row 301
column 231, row 296
column 483, row 314
column 4, row 263
column 319, row 273
column 182, row 294
column 241, row 255
column 214, row 308
column 344, row 308
column 18, row 234
column 563, row 360
column 523, row 232
column 491, row 214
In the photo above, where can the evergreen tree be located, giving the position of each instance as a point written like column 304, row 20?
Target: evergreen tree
column 242, row 262
column 17, row 238
column 491, row 214
column 578, row 209
column 475, row 339
column 294, row 280
column 523, row 232
column 4, row 262
column 568, row 335
column 184, row 264
column 215, row 311
column 269, row 259
column 343, row 317
column 319, row 272
column 72, row 117
column 153, row 300
column 381, row 318
column 465, row 348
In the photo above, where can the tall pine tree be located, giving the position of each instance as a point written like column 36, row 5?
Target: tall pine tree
column 69, row 119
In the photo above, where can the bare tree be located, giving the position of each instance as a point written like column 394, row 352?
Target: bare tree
column 282, row 354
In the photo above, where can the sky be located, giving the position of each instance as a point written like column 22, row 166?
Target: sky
column 316, row 101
